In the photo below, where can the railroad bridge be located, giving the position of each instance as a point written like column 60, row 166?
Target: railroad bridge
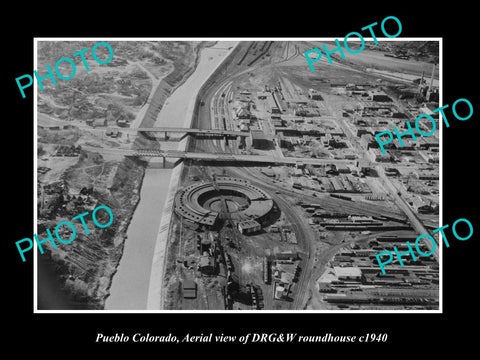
column 199, row 133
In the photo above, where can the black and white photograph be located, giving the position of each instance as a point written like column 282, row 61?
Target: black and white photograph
column 241, row 182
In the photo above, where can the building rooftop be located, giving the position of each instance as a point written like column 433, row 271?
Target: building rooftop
column 245, row 224
column 347, row 271
column 258, row 135
column 189, row 284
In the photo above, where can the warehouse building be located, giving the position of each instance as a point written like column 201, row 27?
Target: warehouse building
column 248, row 226
column 377, row 155
column 378, row 95
column 189, row 288
column 314, row 94
column 259, row 140
column 348, row 273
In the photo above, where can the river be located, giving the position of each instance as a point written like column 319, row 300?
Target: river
column 130, row 285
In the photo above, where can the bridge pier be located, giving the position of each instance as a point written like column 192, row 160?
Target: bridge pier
column 225, row 142
column 242, row 143
column 164, row 161
column 177, row 162
column 166, row 136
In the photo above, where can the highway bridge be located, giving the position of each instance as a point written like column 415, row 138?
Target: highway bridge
column 217, row 157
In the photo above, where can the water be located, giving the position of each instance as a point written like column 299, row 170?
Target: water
column 130, row 284
column 177, row 110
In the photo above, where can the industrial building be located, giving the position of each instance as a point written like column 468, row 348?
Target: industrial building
column 199, row 202
column 426, row 175
column 378, row 156
column 272, row 104
column 260, row 140
column 348, row 273
column 378, row 95
column 248, row 226
column 262, row 95
column 243, row 113
column 314, row 94
column 189, row 289
column 206, row 264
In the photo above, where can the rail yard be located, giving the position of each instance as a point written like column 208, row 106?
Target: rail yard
column 303, row 235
